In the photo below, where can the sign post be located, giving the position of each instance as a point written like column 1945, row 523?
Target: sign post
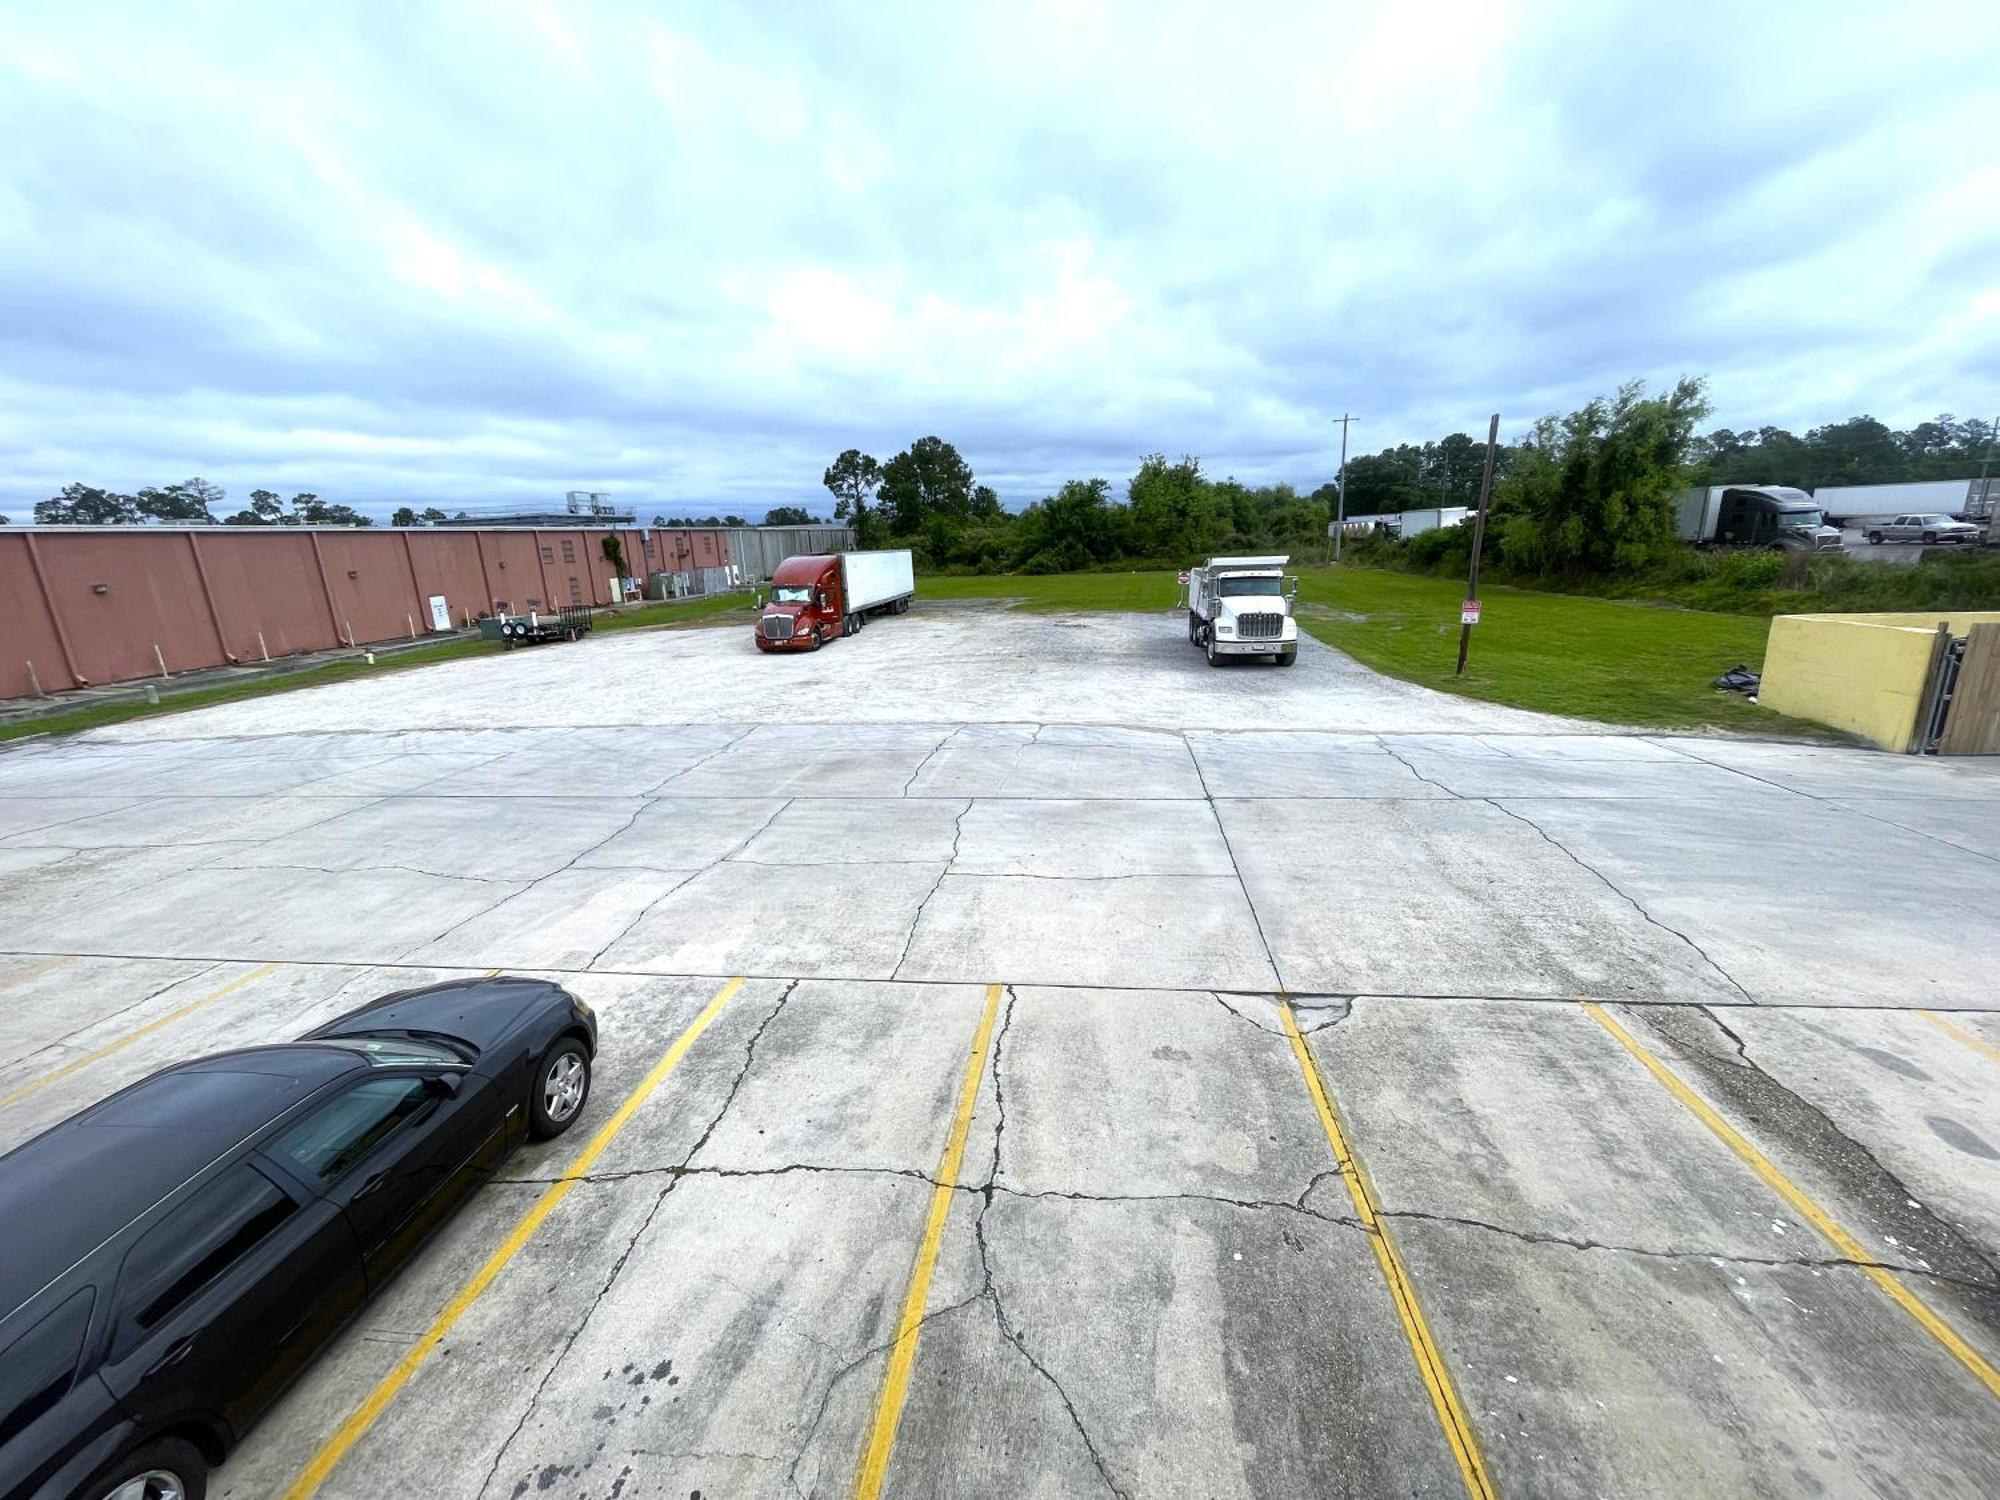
column 1468, row 616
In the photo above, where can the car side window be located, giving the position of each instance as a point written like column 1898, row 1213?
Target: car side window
column 337, row 1135
column 194, row 1244
column 38, row 1368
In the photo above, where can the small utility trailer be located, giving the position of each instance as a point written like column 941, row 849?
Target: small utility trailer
column 571, row 622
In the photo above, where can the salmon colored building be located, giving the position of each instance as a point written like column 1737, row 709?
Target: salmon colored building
column 94, row 604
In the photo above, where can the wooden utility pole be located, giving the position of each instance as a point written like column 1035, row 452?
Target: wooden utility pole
column 1340, row 488
column 1470, row 612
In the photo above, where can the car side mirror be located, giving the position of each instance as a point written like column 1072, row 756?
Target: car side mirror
column 442, row 1085
column 1291, row 588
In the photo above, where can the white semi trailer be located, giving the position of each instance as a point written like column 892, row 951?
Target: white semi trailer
column 1242, row 606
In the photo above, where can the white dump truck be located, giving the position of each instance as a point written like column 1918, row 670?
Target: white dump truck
column 1242, row 606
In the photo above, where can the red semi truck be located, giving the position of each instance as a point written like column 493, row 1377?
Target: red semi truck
column 814, row 599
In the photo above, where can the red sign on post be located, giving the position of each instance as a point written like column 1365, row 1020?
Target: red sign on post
column 1184, row 575
column 1468, row 612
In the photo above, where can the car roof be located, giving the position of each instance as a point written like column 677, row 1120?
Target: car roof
column 79, row 1183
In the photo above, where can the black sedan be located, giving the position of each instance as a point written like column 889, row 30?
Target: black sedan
column 173, row 1256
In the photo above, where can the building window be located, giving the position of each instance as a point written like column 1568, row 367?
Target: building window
column 548, row 554
column 569, row 551
column 575, row 592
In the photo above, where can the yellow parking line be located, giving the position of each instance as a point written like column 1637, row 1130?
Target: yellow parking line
column 1950, row 1028
column 1451, row 1414
column 1806, row 1209
column 363, row 1417
column 903, row 1355
column 36, row 972
column 78, row 1064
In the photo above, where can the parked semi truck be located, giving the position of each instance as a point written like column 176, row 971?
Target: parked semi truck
column 814, row 599
column 1755, row 515
column 1242, row 606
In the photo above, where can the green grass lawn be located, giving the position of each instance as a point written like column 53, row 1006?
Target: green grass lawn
column 1606, row 659
column 678, row 612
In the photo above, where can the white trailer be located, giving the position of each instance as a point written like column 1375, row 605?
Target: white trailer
column 877, row 580
column 1242, row 606
column 1859, row 503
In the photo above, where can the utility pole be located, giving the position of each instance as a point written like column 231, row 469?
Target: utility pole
column 1986, row 464
column 1470, row 613
column 1340, row 488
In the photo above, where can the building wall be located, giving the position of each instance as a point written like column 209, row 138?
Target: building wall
column 208, row 595
column 1861, row 673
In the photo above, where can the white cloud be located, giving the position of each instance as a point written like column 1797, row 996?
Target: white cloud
column 490, row 253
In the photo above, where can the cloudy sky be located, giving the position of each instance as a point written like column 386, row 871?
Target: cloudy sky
column 480, row 253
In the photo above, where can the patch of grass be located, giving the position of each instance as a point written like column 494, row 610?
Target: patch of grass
column 1616, row 661
column 95, row 716
column 1053, row 591
column 675, row 612
column 99, row 714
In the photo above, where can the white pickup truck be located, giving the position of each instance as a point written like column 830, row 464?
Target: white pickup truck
column 1242, row 606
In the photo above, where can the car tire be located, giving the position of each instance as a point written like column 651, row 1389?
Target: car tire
column 1930, row 536
column 816, row 641
column 1208, row 647
column 1286, row 658
column 1874, row 538
column 560, row 1090
column 176, row 1466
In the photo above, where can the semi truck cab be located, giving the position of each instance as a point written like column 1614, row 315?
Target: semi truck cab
column 819, row 597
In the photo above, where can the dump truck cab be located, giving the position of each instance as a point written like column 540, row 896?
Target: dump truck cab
column 1242, row 606
column 806, row 608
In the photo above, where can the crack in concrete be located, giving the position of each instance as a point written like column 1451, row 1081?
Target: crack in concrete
column 1214, row 812
column 1820, row 1139
column 1618, row 891
column 1809, row 1262
column 840, row 1375
column 910, row 937
column 1397, row 756
column 1218, row 1200
column 699, row 762
column 672, row 1170
column 1838, row 803
column 618, row 1265
column 648, row 909
column 1343, row 1005
column 929, row 755
column 1222, row 999
column 376, row 869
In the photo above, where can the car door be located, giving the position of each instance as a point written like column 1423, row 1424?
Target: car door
column 224, row 1297
column 396, row 1152
column 1900, row 529
column 51, row 1406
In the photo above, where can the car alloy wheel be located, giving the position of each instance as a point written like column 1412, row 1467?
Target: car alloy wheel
column 154, row 1484
column 563, row 1087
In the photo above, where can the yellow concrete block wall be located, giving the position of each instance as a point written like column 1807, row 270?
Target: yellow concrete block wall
column 1861, row 673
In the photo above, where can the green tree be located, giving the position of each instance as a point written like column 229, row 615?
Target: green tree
column 927, row 479
column 432, row 516
column 403, row 516
column 788, row 515
column 86, row 505
column 853, row 478
column 1175, row 512
column 1593, row 492
column 1073, row 528
column 186, row 502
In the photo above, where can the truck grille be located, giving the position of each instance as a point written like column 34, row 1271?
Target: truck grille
column 776, row 627
column 1260, row 627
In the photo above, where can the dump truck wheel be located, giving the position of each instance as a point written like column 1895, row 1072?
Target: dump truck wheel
column 1286, row 658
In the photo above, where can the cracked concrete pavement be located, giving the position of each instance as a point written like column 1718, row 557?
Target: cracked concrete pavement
column 1153, row 1277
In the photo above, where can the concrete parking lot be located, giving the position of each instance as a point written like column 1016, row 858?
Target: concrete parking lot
column 1060, row 1068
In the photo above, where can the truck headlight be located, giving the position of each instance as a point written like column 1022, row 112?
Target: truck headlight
column 803, row 629
column 1224, row 627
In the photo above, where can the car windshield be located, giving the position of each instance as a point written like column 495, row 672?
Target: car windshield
column 1799, row 520
column 792, row 594
column 390, row 1048
column 1236, row 588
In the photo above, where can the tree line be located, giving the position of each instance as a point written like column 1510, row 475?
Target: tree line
column 190, row 502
